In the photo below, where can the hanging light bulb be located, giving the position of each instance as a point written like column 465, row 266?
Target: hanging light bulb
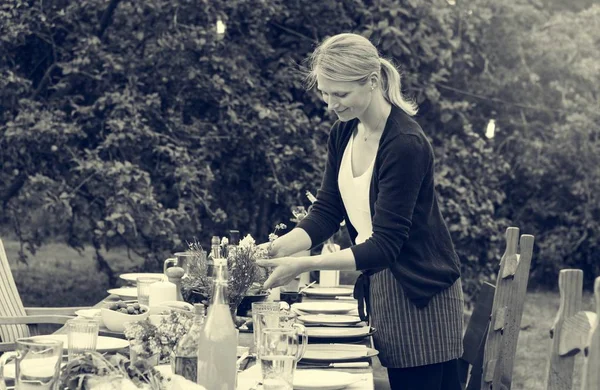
column 220, row 28
column 451, row 2
column 490, row 129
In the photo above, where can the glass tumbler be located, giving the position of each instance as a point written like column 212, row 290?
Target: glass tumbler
column 143, row 288
column 82, row 336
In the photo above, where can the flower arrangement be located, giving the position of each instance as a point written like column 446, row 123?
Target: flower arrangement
column 143, row 337
column 94, row 371
column 243, row 272
column 147, row 339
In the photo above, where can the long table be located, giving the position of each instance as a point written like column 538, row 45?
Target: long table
column 249, row 378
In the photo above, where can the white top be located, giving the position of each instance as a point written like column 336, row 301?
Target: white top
column 355, row 194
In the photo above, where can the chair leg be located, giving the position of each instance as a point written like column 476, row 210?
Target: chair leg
column 477, row 370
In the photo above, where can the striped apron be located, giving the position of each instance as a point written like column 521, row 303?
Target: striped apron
column 407, row 336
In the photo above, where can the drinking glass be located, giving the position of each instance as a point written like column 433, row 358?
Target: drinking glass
column 143, row 288
column 279, row 350
column 261, row 307
column 37, row 363
column 82, row 335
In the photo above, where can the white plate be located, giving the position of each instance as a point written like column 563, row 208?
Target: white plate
column 132, row 277
column 43, row 365
column 337, row 352
column 124, row 292
column 325, row 307
column 331, row 332
column 329, row 291
column 104, row 343
column 323, row 379
column 329, row 319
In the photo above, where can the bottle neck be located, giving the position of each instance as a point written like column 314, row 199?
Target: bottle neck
column 220, row 295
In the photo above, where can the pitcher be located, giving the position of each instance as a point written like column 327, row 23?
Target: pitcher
column 37, row 364
column 181, row 259
column 278, row 352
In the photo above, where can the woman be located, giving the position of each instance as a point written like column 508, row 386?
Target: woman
column 379, row 177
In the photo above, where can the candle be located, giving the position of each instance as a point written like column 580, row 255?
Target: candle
column 162, row 292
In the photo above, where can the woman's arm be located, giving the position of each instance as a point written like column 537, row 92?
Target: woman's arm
column 295, row 241
column 287, row 268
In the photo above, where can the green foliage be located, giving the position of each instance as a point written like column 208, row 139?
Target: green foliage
column 141, row 127
column 548, row 63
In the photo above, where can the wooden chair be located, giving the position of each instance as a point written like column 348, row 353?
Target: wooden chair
column 17, row 321
column 574, row 331
column 475, row 337
column 490, row 340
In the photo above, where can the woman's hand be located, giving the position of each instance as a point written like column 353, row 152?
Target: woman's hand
column 271, row 249
column 286, row 269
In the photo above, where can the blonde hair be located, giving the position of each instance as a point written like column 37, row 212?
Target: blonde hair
column 352, row 57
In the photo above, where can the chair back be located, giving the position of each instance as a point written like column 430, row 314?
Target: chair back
column 505, row 321
column 10, row 302
column 572, row 332
column 475, row 337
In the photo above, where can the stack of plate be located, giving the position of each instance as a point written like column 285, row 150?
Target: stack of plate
column 337, row 352
column 332, row 321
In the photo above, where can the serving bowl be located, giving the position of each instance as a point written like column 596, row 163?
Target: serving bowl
column 115, row 320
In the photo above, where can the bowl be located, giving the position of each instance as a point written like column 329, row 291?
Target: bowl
column 172, row 305
column 115, row 320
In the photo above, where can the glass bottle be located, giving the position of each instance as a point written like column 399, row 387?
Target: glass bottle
column 217, row 346
column 215, row 253
column 234, row 241
column 184, row 360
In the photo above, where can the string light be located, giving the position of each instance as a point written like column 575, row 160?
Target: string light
column 490, row 129
column 451, row 2
column 220, row 28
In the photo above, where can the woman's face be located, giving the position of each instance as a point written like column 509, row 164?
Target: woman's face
column 348, row 99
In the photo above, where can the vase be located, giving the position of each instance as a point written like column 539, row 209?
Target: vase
column 234, row 303
column 151, row 360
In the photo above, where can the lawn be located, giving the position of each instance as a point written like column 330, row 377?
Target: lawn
column 60, row 276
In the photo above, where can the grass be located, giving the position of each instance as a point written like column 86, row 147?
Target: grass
column 59, row 276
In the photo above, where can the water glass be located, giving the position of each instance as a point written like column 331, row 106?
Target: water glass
column 261, row 307
column 82, row 335
column 143, row 288
column 278, row 352
column 37, row 364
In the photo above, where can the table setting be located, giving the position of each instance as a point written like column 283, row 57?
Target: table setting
column 130, row 339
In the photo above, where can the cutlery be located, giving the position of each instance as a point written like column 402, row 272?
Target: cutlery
column 332, row 365
column 306, row 287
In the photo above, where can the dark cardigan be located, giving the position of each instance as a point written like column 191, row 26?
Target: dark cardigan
column 409, row 234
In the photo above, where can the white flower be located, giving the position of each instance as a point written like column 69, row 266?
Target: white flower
column 247, row 242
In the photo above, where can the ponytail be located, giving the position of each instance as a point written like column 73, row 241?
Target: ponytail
column 391, row 88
